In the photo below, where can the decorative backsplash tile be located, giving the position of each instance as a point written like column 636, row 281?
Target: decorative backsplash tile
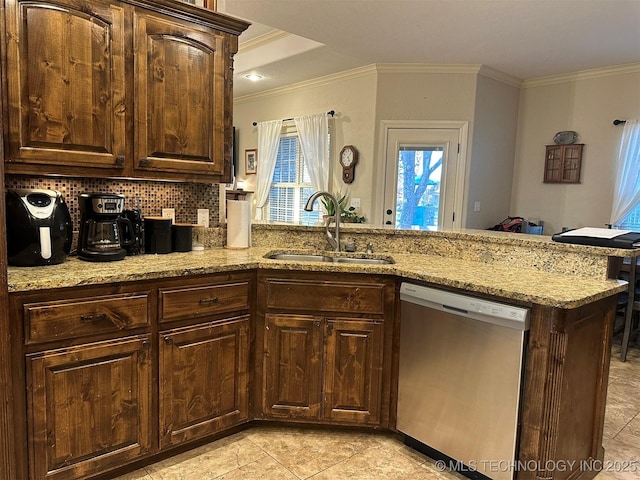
column 150, row 196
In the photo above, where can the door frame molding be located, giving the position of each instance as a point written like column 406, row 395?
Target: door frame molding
column 379, row 176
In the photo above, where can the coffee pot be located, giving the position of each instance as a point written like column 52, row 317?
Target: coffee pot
column 101, row 224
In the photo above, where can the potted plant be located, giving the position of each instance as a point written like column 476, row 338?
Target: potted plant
column 329, row 207
column 350, row 215
column 347, row 214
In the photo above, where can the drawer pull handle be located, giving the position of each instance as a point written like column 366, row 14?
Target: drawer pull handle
column 98, row 317
column 209, row 301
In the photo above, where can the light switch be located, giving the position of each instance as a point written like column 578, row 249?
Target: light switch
column 476, row 207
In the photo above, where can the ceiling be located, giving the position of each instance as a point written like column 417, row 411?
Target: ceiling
column 296, row 40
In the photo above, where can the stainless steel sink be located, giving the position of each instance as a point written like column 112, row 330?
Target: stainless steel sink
column 299, row 257
column 310, row 257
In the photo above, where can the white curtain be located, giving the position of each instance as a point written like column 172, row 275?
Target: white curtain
column 313, row 131
column 268, row 143
column 626, row 193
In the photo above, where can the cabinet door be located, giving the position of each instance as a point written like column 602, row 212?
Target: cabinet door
column 203, row 379
column 89, row 407
column 553, row 164
column 352, row 381
column 65, row 81
column 292, row 366
column 180, row 94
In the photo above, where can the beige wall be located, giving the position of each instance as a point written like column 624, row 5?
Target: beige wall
column 406, row 93
column 352, row 96
column 586, row 102
column 490, row 168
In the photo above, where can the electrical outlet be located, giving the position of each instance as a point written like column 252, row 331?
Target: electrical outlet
column 476, row 207
column 169, row 213
column 203, row 217
column 355, row 202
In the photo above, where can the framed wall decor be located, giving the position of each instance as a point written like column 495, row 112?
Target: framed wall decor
column 250, row 161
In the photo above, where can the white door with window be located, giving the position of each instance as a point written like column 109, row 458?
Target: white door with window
column 424, row 177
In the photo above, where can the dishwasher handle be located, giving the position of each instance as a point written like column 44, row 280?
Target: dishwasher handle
column 461, row 311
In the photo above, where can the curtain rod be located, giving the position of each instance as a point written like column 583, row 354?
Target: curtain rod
column 619, row 122
column 330, row 112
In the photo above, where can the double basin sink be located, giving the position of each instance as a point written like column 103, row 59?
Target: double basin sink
column 312, row 257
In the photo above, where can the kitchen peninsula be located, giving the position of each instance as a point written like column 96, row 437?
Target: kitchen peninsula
column 144, row 323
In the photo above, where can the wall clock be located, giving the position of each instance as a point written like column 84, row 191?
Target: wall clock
column 348, row 160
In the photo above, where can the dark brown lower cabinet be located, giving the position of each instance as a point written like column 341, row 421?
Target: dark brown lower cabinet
column 327, row 342
column 203, row 379
column 89, row 407
column 323, row 368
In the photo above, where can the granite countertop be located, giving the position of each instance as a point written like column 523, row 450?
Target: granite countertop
column 525, row 285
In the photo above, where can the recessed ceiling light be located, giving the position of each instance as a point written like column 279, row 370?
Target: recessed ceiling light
column 254, row 77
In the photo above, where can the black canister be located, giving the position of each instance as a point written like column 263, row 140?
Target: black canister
column 157, row 235
column 181, row 237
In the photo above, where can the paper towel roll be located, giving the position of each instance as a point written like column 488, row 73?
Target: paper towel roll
column 238, row 224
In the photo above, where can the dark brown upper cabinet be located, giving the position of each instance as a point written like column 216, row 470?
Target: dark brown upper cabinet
column 179, row 103
column 66, row 86
column 116, row 88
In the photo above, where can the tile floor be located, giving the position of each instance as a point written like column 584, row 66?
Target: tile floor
column 296, row 453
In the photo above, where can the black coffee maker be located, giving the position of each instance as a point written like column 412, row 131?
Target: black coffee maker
column 101, row 224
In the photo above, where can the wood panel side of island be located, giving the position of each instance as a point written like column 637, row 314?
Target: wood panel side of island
column 564, row 392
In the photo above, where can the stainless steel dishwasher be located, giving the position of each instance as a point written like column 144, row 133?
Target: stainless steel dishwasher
column 461, row 364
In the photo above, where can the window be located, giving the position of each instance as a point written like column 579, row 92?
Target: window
column 625, row 212
column 291, row 186
column 632, row 220
column 418, row 189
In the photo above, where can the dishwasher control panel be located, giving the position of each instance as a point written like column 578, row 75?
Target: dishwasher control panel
column 479, row 309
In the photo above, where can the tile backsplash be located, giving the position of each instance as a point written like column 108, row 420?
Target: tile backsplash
column 150, row 196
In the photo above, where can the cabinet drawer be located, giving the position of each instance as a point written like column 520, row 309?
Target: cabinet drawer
column 84, row 316
column 325, row 296
column 191, row 302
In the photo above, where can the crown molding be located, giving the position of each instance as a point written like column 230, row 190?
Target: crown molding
column 499, row 76
column 472, row 69
column 325, row 80
column 426, row 68
column 262, row 40
column 386, row 68
column 583, row 75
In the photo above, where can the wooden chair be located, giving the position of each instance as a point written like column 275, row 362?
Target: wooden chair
column 629, row 301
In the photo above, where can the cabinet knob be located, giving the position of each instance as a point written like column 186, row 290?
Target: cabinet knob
column 120, row 160
column 168, row 340
column 329, row 328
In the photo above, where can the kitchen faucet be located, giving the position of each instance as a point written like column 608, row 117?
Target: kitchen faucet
column 334, row 240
